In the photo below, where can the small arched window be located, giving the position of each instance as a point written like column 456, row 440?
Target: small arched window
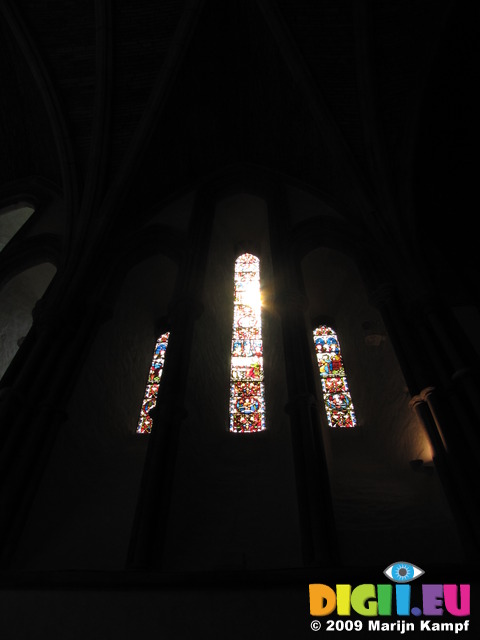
column 247, row 397
column 153, row 384
column 336, row 395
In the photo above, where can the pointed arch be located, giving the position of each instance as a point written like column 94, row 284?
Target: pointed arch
column 336, row 395
column 247, row 394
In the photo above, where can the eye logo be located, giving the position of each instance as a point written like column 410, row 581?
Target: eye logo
column 403, row 572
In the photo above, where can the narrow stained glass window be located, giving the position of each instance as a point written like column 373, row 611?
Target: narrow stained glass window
column 153, row 383
column 337, row 398
column 247, row 398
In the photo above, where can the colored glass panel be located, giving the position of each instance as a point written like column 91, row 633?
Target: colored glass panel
column 247, row 403
column 336, row 395
column 153, row 384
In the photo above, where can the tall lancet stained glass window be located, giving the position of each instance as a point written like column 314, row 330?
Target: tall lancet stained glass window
column 336, row 395
column 247, row 397
column 153, row 384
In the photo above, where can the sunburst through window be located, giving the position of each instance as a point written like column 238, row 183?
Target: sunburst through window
column 247, row 397
column 153, row 384
column 336, row 395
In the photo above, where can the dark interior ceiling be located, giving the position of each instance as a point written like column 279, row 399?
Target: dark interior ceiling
column 370, row 103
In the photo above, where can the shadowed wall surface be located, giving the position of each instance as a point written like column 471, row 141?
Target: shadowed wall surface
column 145, row 146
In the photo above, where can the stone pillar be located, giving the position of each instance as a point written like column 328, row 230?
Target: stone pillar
column 37, row 387
column 384, row 298
column 34, row 412
column 453, row 459
column 456, row 368
column 153, row 506
column 454, row 400
column 317, row 521
column 460, row 493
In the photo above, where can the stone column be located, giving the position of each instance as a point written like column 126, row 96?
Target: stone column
column 153, row 506
column 456, row 367
column 317, row 521
column 460, row 493
column 453, row 459
column 454, row 395
column 384, row 298
column 34, row 408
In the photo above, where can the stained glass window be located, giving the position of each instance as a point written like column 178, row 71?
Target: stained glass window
column 337, row 398
column 247, row 398
column 153, row 383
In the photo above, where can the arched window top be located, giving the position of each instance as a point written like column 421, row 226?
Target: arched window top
column 153, row 384
column 247, row 262
column 336, row 395
column 247, row 397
